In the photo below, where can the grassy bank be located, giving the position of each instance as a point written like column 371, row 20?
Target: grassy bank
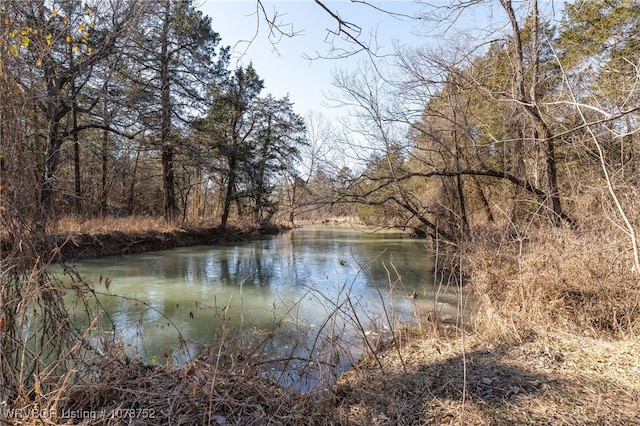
column 548, row 378
column 554, row 341
column 77, row 238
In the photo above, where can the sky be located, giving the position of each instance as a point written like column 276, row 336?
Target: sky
column 286, row 64
column 295, row 65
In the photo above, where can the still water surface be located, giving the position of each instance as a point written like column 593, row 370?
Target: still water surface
column 307, row 281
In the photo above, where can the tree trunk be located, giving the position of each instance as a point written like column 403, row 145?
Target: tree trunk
column 552, row 176
column 51, row 161
column 292, row 213
column 132, row 187
column 530, row 105
column 466, row 231
column 76, row 164
column 168, row 178
column 170, row 211
column 105, row 158
column 230, row 193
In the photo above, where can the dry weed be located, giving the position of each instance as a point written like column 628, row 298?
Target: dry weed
column 109, row 224
column 556, row 279
column 555, row 341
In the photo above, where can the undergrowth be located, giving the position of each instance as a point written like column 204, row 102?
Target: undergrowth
column 553, row 339
column 554, row 278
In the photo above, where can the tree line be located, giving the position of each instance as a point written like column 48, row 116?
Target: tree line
column 131, row 107
column 528, row 121
column 117, row 107
column 124, row 108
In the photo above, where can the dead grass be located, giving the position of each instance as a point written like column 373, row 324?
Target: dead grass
column 555, row 378
column 131, row 225
column 76, row 237
column 119, row 391
column 556, row 279
column 554, row 341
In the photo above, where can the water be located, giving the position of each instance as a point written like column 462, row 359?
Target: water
column 303, row 289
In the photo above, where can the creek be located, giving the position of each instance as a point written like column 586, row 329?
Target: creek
column 315, row 291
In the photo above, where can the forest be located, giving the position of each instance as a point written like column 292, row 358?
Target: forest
column 513, row 150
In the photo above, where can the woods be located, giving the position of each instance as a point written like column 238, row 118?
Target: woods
column 513, row 147
column 507, row 129
column 117, row 118
column 119, row 128
column 114, row 109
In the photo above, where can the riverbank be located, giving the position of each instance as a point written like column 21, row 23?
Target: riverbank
column 547, row 378
column 103, row 237
column 555, row 340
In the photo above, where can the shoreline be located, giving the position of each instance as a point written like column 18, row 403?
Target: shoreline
column 80, row 245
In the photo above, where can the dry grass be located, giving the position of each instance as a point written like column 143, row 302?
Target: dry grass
column 554, row 341
column 198, row 393
column 558, row 379
column 557, row 279
column 230, row 383
column 114, row 390
column 130, row 225
column 75, row 237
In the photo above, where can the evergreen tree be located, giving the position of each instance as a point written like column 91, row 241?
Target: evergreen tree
column 229, row 126
column 276, row 146
column 175, row 64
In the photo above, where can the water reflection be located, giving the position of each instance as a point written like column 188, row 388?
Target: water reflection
column 295, row 280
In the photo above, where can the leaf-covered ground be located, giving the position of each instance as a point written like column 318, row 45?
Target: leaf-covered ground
column 547, row 379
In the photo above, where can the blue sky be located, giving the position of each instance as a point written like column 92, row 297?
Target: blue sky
column 283, row 62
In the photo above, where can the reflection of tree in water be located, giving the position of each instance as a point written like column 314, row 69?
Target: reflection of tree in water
column 257, row 284
column 237, row 268
column 250, row 265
